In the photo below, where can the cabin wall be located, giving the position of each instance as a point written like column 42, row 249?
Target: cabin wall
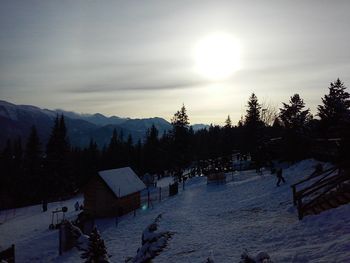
column 129, row 203
column 100, row 201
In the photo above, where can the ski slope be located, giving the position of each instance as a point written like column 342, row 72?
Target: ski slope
column 249, row 212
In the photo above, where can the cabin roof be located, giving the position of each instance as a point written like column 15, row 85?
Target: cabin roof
column 122, row 181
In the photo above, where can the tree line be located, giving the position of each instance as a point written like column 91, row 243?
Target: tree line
column 32, row 172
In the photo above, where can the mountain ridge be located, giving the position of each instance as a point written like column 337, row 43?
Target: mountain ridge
column 16, row 121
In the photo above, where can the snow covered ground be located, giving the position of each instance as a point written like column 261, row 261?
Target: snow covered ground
column 28, row 229
column 249, row 212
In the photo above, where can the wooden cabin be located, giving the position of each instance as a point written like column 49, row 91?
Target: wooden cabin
column 113, row 193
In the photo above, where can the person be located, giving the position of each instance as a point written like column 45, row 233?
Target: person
column 44, row 204
column 76, row 206
column 280, row 177
column 258, row 168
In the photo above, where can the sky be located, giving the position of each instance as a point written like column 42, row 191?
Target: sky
column 137, row 58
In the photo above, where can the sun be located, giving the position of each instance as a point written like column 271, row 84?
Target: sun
column 217, row 56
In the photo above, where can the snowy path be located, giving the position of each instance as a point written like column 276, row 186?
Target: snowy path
column 249, row 212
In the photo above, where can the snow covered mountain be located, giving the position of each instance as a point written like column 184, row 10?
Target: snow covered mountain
column 16, row 120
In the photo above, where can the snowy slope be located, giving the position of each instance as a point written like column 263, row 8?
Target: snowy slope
column 28, row 229
column 249, row 212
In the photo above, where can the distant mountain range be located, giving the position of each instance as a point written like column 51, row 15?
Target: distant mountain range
column 16, row 120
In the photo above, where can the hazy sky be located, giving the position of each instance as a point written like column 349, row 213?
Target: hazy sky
column 136, row 58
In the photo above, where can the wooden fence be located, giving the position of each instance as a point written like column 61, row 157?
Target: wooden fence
column 158, row 194
column 316, row 187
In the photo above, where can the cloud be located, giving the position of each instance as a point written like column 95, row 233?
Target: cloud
column 110, row 87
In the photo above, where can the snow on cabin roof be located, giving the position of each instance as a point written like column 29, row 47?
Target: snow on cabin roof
column 122, row 181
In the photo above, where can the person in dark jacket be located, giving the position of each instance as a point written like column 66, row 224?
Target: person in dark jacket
column 280, row 177
column 44, row 205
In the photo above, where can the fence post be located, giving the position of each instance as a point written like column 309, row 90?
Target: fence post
column 294, row 195
column 60, row 240
column 183, row 184
column 148, row 197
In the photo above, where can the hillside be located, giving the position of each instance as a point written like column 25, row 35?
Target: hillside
column 249, row 212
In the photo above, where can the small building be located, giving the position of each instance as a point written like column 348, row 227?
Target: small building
column 113, row 192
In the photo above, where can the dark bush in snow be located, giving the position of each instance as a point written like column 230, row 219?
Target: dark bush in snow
column 153, row 242
column 97, row 252
column 261, row 257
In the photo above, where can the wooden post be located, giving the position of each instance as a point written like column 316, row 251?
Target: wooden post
column 160, row 194
column 183, row 184
column 294, row 195
column 60, row 240
column 148, row 198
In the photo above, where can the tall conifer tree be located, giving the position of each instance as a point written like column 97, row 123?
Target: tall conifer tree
column 336, row 105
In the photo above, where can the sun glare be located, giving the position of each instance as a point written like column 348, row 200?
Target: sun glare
column 217, row 56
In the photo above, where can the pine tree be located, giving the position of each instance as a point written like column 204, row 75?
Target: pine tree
column 228, row 122
column 92, row 158
column 180, row 133
column 180, row 119
column 7, row 172
column 129, row 151
column 295, row 119
column 113, row 153
column 18, row 151
column 114, row 143
column 151, row 150
column 58, row 144
column 152, row 135
column 253, row 126
column 32, row 165
column 293, row 116
column 253, row 118
column 97, row 251
column 336, row 105
column 32, row 154
column 57, row 163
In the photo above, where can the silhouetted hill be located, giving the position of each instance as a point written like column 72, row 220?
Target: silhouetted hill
column 16, row 120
